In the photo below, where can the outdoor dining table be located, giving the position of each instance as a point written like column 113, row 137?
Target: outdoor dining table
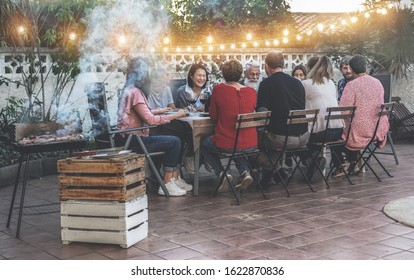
column 202, row 126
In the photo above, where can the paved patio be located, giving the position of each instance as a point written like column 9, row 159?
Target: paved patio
column 343, row 222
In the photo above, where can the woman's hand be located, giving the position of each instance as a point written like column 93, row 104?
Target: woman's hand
column 200, row 108
column 180, row 113
column 163, row 110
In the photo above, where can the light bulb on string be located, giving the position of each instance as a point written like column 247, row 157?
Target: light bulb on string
column 267, row 43
column 285, row 40
column 21, row 29
column 209, row 39
column 166, row 40
column 243, row 45
column 309, row 32
column 222, row 47
column 366, row 15
column 285, row 32
column 189, row 49
column 72, row 36
column 232, row 46
column 298, row 37
column 255, row 44
column 249, row 36
column 354, row 19
column 320, row 27
column 276, row 42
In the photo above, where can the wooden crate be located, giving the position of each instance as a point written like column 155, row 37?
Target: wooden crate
column 121, row 223
column 121, row 178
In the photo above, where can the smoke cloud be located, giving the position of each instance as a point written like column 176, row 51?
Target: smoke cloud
column 121, row 29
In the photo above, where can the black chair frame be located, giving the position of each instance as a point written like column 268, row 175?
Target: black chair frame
column 369, row 151
column 295, row 117
column 248, row 120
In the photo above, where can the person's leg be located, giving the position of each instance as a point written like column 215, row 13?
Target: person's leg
column 209, row 152
column 245, row 178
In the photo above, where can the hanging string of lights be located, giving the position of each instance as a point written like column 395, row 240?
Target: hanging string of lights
column 284, row 39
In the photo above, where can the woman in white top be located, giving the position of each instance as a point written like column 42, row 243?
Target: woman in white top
column 320, row 92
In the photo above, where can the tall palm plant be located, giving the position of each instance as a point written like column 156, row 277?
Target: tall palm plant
column 394, row 48
column 387, row 41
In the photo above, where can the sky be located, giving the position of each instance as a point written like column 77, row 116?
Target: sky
column 328, row 6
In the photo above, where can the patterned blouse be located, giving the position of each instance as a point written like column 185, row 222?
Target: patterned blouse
column 367, row 93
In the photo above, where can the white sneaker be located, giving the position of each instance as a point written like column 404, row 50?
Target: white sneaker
column 182, row 184
column 173, row 189
column 225, row 184
column 244, row 181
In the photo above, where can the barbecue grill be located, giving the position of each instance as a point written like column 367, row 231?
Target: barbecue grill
column 40, row 137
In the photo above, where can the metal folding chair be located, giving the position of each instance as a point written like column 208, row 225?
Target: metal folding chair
column 104, row 133
column 369, row 151
column 249, row 120
column 295, row 117
column 344, row 113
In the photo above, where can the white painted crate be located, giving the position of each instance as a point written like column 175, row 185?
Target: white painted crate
column 110, row 222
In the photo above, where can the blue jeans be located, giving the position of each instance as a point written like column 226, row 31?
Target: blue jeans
column 170, row 145
column 209, row 151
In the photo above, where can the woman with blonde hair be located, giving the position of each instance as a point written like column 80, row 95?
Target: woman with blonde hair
column 320, row 93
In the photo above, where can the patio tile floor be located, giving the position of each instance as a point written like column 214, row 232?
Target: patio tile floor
column 344, row 222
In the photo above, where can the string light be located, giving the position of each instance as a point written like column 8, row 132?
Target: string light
column 166, row 40
column 285, row 37
column 122, row 40
column 21, row 29
column 72, row 36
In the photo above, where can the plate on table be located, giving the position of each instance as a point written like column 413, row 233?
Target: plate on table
column 204, row 114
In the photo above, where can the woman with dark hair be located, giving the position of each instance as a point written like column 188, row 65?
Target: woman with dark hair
column 134, row 112
column 227, row 101
column 197, row 79
column 299, row 72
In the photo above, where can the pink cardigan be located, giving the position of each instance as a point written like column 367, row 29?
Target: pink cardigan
column 133, row 111
column 367, row 94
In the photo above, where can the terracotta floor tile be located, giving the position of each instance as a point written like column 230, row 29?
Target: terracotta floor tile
column 343, row 222
column 291, row 241
column 349, row 255
column 153, row 244
column 209, row 247
column 240, row 240
column 376, row 250
column 181, row 253
column 233, row 254
column 263, row 248
column 404, row 255
column 395, row 229
column 399, row 243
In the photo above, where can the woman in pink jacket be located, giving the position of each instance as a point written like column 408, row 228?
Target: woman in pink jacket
column 134, row 112
column 367, row 93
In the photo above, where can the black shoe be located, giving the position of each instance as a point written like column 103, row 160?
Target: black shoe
column 266, row 179
column 280, row 175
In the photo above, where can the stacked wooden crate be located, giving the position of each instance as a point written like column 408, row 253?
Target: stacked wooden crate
column 103, row 200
